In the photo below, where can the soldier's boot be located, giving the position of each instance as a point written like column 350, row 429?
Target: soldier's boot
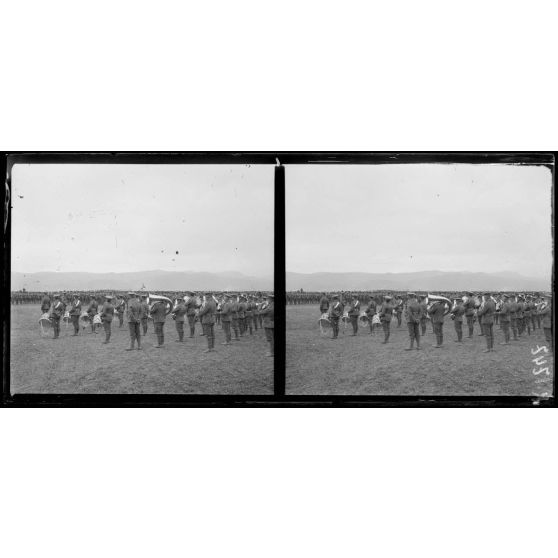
column 411, row 346
column 418, row 344
column 192, row 331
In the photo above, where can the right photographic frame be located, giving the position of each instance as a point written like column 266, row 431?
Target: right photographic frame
column 422, row 275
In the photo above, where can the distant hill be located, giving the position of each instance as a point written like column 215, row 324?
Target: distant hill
column 420, row 281
column 153, row 280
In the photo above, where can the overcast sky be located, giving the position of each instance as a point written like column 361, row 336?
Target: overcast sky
column 104, row 218
column 404, row 218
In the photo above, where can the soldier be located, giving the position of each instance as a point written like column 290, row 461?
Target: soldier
column 423, row 314
column 437, row 312
column 486, row 314
column 398, row 309
column 226, row 318
column 370, row 311
column 520, row 316
column 546, row 314
column 91, row 312
column 386, row 313
column 261, row 302
column 469, row 307
column 207, row 316
column 335, row 312
column 191, row 313
column 268, row 315
column 242, row 315
column 255, row 311
column 538, row 304
column 248, row 314
column 354, row 311
column 107, row 314
column 75, row 313
column 120, row 311
column 324, row 304
column 178, row 314
column 505, row 319
column 413, row 315
column 57, row 313
column 234, row 316
column 159, row 314
column 145, row 312
column 135, row 314
column 45, row 304
column 218, row 314
column 527, row 314
column 457, row 313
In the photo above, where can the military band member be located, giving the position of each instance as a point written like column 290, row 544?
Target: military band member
column 370, row 311
column 413, row 315
column 527, row 314
column 56, row 314
column 120, row 308
column 513, row 317
column 207, row 317
column 539, row 303
column 469, row 307
column 45, row 304
column 354, row 312
column 144, row 313
column 255, row 312
column 91, row 312
column 398, row 309
column 218, row 313
column 135, row 314
column 248, row 314
column 324, row 304
column 159, row 314
column 107, row 314
column 178, row 314
column 335, row 313
column 520, row 316
column 269, row 328
column 457, row 314
column 191, row 307
column 75, row 313
column 505, row 319
column 234, row 316
column 242, row 315
column 226, row 318
column 486, row 314
column 386, row 313
column 424, row 314
column 546, row 314
column 437, row 312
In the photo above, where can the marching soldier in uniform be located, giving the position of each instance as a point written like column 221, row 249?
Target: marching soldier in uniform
column 58, row 309
column 135, row 314
column 486, row 314
column 269, row 328
column 191, row 313
column 207, row 317
column 335, row 313
column 324, row 304
column 370, row 311
column 505, row 319
column 413, row 315
column 75, row 313
column 107, row 314
column 159, row 314
column 457, row 316
column 226, row 318
column 354, row 311
column 437, row 312
column 469, row 307
column 144, row 312
column 120, row 311
column 386, row 313
column 178, row 316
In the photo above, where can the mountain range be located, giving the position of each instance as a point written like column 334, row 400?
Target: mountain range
column 153, row 280
column 421, row 281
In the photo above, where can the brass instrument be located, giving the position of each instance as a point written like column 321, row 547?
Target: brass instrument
column 431, row 299
column 153, row 298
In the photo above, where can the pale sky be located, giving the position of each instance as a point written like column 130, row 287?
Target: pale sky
column 103, row 218
column 405, row 218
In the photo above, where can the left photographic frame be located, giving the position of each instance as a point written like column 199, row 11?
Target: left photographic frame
column 140, row 275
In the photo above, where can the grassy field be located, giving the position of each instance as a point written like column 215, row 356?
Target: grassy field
column 83, row 364
column 361, row 365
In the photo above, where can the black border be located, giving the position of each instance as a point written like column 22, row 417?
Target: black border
column 277, row 158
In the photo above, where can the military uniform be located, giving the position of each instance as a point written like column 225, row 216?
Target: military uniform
column 135, row 315
column 505, row 320
column 324, row 304
column 120, row 311
column 248, row 315
column 527, row 313
column 520, row 317
column 423, row 315
column 398, row 309
column 269, row 327
column 242, row 316
column 45, row 304
column 469, row 307
column 178, row 314
column 91, row 312
column 546, row 315
column 386, row 313
column 458, row 313
column 75, row 313
column 159, row 314
column 226, row 318
column 107, row 314
column 486, row 314
column 513, row 306
column 354, row 311
column 207, row 317
column 335, row 313
column 370, row 311
column 437, row 312
column 144, row 313
column 191, row 307
column 234, row 319
column 58, row 309
column 413, row 315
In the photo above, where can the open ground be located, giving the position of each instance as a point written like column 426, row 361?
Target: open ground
column 83, row 364
column 362, row 365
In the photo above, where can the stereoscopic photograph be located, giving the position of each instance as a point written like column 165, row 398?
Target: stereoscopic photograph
column 419, row 279
column 142, row 279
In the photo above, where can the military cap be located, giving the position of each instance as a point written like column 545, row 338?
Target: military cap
column 388, row 297
column 225, row 295
column 336, row 296
column 506, row 295
column 411, row 295
column 56, row 296
column 131, row 293
column 109, row 297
